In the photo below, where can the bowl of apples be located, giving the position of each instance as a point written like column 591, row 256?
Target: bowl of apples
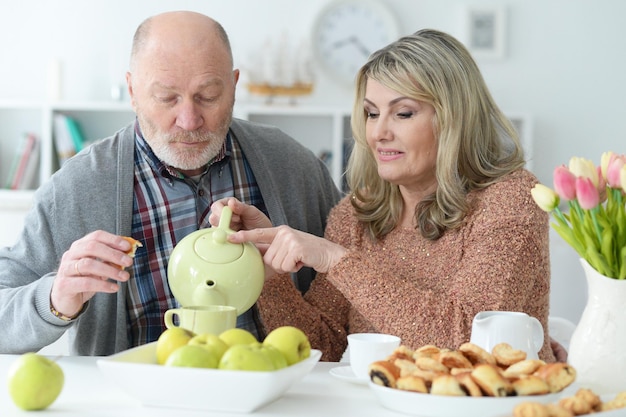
column 230, row 372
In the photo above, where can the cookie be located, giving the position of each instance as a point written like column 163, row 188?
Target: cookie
column 558, row 375
column 505, row 355
column 530, row 385
column 491, row 381
column 476, row 355
column 447, row 385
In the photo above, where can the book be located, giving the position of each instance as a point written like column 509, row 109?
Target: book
column 25, row 163
column 30, row 172
column 76, row 133
column 63, row 141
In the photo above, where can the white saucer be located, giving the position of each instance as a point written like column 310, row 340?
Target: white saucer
column 345, row 374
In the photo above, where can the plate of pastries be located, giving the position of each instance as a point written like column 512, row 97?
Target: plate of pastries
column 469, row 381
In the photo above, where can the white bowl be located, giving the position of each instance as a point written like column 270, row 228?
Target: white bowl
column 137, row 372
column 428, row 405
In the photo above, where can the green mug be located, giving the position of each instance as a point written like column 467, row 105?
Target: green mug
column 202, row 319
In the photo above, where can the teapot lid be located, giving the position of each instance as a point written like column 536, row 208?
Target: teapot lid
column 214, row 248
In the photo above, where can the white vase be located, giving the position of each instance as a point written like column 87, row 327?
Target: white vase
column 597, row 349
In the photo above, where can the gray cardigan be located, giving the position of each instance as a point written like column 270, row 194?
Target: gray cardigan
column 93, row 191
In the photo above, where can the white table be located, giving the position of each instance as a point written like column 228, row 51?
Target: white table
column 87, row 392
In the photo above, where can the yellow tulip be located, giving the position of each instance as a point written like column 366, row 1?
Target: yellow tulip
column 604, row 162
column 545, row 197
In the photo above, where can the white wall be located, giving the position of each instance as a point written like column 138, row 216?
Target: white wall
column 564, row 65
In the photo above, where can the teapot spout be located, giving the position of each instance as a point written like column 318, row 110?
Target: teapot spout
column 207, row 294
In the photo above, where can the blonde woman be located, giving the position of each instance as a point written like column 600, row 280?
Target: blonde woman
column 440, row 223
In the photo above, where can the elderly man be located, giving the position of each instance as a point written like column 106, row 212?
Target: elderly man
column 154, row 180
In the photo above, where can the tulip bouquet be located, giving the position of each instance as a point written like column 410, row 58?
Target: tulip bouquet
column 596, row 223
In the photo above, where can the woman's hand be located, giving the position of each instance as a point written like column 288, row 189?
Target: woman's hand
column 91, row 265
column 288, row 250
column 245, row 217
column 559, row 351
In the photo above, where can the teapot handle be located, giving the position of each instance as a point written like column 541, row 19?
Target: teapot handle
column 538, row 334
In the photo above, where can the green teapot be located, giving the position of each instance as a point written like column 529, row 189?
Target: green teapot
column 205, row 269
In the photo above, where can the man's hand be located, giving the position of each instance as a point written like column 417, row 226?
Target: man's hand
column 91, row 265
column 245, row 216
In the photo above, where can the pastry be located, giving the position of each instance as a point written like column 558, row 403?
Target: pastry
column 468, row 384
column 431, row 364
column 401, row 352
column 555, row 410
column 412, row 383
column 618, row 402
column 490, row 380
column 525, row 367
column 530, row 385
column 530, row 409
column 577, row 405
column 384, row 373
column 454, row 359
column 134, row 245
column 476, row 354
column 589, row 396
column 426, row 350
column 506, row 356
column 407, row 367
column 558, row 375
column 447, row 385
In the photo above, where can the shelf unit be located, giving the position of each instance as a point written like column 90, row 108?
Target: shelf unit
column 323, row 129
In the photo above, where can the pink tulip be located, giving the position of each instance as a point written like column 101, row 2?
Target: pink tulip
column 613, row 170
column 564, row 183
column 588, row 195
column 582, row 167
column 622, row 177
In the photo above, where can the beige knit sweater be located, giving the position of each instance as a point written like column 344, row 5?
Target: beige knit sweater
column 423, row 291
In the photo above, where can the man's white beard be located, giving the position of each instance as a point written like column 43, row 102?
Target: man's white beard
column 179, row 158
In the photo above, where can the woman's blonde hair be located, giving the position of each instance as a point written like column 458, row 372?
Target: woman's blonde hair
column 477, row 144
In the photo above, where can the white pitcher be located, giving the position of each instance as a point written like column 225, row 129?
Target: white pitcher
column 519, row 330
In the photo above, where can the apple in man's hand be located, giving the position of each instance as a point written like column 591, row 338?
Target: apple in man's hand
column 291, row 341
column 249, row 357
column 35, row 381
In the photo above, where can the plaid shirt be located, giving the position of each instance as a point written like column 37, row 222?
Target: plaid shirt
column 167, row 207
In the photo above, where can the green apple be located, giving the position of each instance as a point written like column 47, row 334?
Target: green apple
column 237, row 336
column 193, row 356
column 291, row 341
column 276, row 356
column 35, row 381
column 210, row 341
column 249, row 357
column 170, row 340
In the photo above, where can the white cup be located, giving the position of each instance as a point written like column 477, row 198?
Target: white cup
column 365, row 348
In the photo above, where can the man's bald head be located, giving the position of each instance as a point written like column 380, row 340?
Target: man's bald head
column 190, row 30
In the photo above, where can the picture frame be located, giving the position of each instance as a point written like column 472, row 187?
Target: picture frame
column 486, row 31
column 523, row 124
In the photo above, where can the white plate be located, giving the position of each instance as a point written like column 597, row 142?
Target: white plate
column 427, row 405
column 345, row 374
column 137, row 372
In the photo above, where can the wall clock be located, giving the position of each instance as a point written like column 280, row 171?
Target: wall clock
column 346, row 32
